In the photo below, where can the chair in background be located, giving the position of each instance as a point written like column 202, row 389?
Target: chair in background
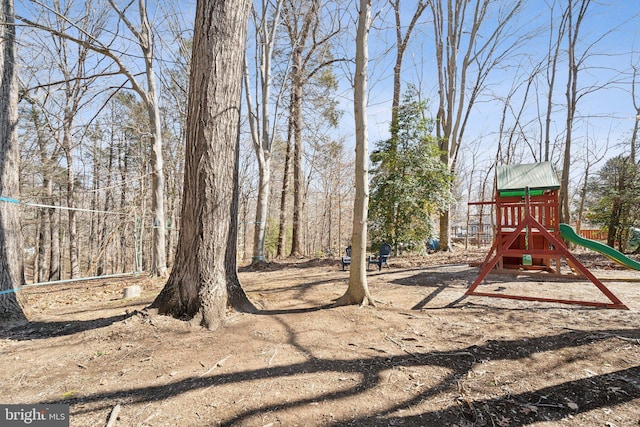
column 346, row 260
column 382, row 258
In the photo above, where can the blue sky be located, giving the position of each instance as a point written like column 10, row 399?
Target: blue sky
column 604, row 116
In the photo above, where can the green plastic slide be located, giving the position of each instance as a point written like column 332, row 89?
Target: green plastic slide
column 569, row 233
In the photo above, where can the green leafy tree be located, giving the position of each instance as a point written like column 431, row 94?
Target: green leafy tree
column 616, row 194
column 409, row 182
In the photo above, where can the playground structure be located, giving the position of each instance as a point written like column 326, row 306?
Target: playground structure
column 528, row 235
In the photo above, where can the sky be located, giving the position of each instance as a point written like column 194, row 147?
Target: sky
column 605, row 116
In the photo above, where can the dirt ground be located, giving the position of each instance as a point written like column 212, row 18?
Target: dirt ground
column 425, row 356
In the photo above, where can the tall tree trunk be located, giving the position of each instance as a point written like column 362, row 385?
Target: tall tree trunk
column 45, row 197
column 159, row 254
column 298, row 178
column 204, row 281
column 95, row 218
column 54, row 237
column 11, row 263
column 262, row 138
column 573, row 37
column 159, row 251
column 123, row 168
column 41, row 266
column 262, row 206
column 245, row 219
column 282, row 228
column 74, row 265
column 108, row 206
column 302, row 50
column 149, row 96
column 358, row 289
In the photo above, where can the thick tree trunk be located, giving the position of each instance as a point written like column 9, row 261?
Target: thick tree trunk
column 444, row 234
column 445, row 231
column 11, row 263
column 358, row 290
column 204, row 281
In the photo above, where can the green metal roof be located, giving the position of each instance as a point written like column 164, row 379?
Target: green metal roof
column 535, row 176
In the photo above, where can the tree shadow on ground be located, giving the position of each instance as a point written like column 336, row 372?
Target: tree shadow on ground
column 447, row 279
column 551, row 403
column 303, row 287
column 439, row 279
column 294, row 310
column 42, row 330
column 290, row 263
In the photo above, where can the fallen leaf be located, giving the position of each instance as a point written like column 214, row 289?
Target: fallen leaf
column 504, row 422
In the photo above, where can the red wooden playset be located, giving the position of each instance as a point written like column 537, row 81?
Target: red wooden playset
column 527, row 236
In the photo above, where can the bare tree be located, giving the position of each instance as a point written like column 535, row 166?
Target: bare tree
column 592, row 156
column 144, row 37
column 75, row 87
column 465, row 56
column 149, row 95
column 358, row 289
column 266, row 22
column 11, row 264
column 402, row 42
column 310, row 55
column 49, row 154
column 327, row 193
column 636, row 106
column 555, row 42
column 63, row 99
column 48, row 267
column 298, row 34
column 204, row 281
column 575, row 18
column 511, row 136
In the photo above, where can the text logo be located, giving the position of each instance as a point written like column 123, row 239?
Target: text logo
column 34, row 415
